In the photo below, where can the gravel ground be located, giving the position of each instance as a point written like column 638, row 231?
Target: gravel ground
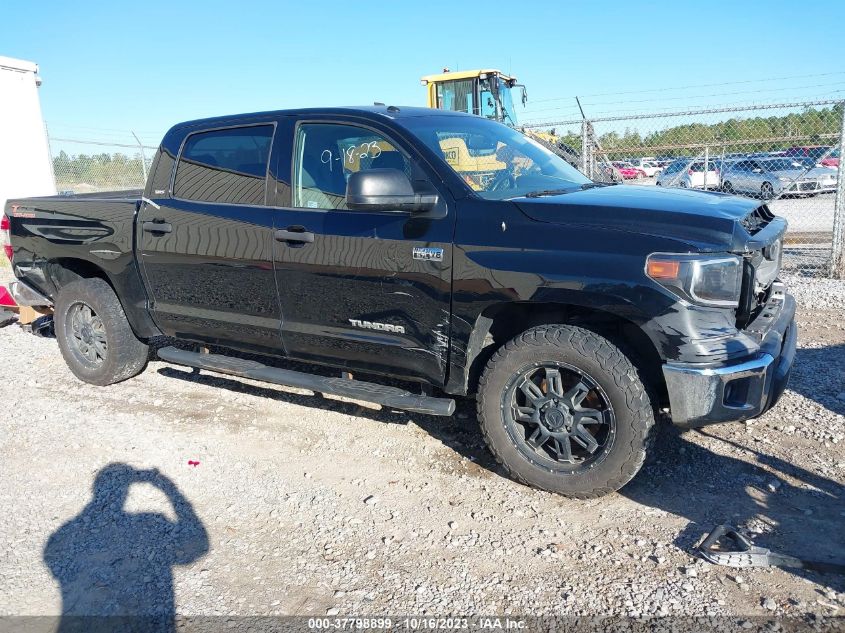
column 306, row 505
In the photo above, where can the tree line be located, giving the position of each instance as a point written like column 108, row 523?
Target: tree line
column 756, row 134
column 98, row 171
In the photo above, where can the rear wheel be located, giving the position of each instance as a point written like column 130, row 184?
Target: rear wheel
column 727, row 187
column 94, row 336
column 563, row 409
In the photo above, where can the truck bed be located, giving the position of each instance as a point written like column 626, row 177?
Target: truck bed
column 77, row 233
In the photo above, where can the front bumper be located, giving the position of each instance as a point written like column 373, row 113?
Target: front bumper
column 744, row 388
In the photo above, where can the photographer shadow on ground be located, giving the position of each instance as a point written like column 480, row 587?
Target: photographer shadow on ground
column 115, row 567
column 789, row 509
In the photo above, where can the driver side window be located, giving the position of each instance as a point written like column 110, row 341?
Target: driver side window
column 326, row 154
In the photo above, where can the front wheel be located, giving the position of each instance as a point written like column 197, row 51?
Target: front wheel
column 94, row 336
column 727, row 187
column 563, row 409
column 767, row 192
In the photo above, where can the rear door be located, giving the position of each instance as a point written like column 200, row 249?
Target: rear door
column 360, row 289
column 206, row 241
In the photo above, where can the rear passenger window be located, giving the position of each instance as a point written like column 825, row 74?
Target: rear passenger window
column 227, row 166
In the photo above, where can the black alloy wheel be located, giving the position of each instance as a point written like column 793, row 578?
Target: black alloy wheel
column 86, row 334
column 559, row 417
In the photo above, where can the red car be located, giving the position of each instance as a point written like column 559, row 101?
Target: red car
column 832, row 160
column 813, row 154
column 628, row 171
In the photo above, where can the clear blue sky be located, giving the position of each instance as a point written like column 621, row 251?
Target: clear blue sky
column 115, row 66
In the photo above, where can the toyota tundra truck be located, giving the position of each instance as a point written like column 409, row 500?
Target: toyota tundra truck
column 436, row 250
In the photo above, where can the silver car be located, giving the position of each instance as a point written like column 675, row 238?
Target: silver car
column 770, row 177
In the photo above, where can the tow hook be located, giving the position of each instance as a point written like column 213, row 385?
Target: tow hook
column 726, row 546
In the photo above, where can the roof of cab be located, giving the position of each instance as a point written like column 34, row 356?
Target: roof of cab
column 463, row 74
column 386, row 111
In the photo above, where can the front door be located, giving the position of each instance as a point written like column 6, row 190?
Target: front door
column 206, row 248
column 364, row 290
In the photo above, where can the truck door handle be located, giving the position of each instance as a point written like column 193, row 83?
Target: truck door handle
column 295, row 234
column 157, row 227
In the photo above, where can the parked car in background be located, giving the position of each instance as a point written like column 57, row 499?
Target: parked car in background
column 832, row 160
column 627, row 170
column 648, row 166
column 770, row 177
column 689, row 173
column 809, row 155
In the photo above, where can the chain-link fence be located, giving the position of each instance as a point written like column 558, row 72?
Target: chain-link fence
column 786, row 155
column 86, row 166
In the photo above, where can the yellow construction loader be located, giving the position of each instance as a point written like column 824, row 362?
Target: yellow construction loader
column 489, row 93
column 486, row 92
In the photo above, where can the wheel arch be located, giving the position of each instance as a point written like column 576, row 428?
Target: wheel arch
column 64, row 270
column 499, row 323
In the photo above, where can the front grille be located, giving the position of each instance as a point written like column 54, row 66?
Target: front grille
column 757, row 219
column 760, row 270
column 747, row 302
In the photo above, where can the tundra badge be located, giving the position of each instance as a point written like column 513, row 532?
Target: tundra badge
column 428, row 254
column 384, row 327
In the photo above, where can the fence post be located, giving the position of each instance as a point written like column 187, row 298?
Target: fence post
column 585, row 166
column 50, row 152
column 837, row 259
column 143, row 158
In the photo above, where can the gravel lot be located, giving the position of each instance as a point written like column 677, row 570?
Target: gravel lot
column 308, row 505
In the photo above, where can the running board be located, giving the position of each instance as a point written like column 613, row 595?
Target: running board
column 356, row 389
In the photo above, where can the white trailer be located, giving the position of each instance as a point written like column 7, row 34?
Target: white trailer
column 26, row 168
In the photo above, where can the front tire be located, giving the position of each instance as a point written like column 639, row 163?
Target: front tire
column 94, row 335
column 564, row 410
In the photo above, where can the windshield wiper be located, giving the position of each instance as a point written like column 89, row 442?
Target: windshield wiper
column 548, row 192
column 556, row 192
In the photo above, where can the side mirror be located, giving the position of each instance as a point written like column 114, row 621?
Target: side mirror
column 385, row 190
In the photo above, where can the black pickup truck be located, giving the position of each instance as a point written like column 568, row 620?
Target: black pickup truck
column 437, row 249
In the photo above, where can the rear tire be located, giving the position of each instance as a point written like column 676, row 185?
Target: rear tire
column 727, row 187
column 582, row 383
column 94, row 335
column 767, row 192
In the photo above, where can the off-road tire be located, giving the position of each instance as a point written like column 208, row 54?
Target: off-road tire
column 126, row 356
column 617, row 376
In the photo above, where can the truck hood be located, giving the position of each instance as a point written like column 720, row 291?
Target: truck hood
column 708, row 220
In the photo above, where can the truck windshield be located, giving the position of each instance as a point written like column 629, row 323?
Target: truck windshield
column 494, row 160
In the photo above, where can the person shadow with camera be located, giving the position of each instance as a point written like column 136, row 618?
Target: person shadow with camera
column 115, row 567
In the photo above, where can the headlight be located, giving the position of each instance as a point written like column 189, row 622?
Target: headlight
column 705, row 280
